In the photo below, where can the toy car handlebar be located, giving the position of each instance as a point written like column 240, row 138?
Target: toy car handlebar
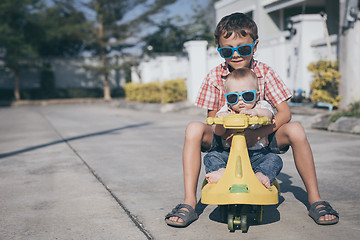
column 237, row 121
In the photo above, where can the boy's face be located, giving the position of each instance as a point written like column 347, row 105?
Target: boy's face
column 238, row 86
column 236, row 61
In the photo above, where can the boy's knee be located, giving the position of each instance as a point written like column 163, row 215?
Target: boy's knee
column 194, row 130
column 295, row 131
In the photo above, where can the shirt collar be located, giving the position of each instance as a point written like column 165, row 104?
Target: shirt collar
column 253, row 67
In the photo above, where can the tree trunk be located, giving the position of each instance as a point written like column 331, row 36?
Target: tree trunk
column 107, row 95
column 17, row 86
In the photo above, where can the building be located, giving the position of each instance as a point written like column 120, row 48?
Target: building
column 294, row 33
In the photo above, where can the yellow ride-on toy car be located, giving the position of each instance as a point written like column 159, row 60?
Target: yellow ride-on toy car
column 238, row 192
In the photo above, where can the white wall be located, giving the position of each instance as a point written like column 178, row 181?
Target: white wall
column 193, row 67
column 309, row 27
column 159, row 69
column 349, row 56
column 68, row 73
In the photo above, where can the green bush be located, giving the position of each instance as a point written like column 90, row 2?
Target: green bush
column 353, row 111
column 325, row 86
column 174, row 91
column 155, row 92
column 132, row 91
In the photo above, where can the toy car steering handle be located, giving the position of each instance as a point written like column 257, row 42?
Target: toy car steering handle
column 238, row 121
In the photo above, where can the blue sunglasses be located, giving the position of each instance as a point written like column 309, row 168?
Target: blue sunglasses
column 243, row 50
column 246, row 96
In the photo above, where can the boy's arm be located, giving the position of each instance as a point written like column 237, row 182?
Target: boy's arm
column 211, row 113
column 283, row 116
column 219, row 129
column 260, row 112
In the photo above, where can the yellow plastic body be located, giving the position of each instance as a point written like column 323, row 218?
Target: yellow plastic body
column 238, row 184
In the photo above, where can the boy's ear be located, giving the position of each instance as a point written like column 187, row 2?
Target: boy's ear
column 255, row 46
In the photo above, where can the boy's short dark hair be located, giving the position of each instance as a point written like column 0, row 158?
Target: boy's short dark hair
column 237, row 23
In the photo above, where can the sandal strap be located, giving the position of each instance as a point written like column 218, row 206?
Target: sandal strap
column 183, row 214
column 187, row 206
column 323, row 210
column 315, row 204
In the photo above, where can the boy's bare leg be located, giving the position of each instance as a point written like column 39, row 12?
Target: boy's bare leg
column 196, row 134
column 293, row 134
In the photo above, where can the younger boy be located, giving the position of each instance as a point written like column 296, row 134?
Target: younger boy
column 236, row 36
column 242, row 97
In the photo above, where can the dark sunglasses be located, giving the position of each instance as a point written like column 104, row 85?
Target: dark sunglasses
column 243, row 50
column 247, row 97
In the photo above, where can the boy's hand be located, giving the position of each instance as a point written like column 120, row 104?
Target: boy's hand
column 222, row 114
column 250, row 112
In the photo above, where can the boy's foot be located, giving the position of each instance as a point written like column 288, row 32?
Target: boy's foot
column 187, row 216
column 323, row 214
column 175, row 219
column 214, row 177
column 263, row 179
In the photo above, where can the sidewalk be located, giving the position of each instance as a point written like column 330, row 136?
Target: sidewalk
column 98, row 171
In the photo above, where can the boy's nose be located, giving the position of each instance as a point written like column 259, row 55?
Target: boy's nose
column 236, row 54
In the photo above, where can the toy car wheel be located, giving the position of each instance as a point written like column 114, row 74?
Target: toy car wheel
column 231, row 222
column 243, row 223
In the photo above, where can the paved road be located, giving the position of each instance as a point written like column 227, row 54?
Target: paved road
column 94, row 171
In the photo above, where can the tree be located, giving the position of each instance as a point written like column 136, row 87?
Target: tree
column 30, row 31
column 64, row 30
column 113, row 27
column 174, row 31
column 168, row 38
column 16, row 36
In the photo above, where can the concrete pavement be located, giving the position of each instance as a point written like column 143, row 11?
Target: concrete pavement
column 95, row 171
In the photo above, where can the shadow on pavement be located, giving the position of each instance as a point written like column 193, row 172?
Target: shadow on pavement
column 65, row 140
column 286, row 186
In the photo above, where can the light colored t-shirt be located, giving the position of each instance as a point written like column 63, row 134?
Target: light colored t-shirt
column 262, row 142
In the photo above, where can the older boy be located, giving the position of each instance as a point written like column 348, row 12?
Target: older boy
column 236, row 36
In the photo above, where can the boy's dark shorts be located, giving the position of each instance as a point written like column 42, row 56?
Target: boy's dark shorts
column 273, row 146
column 215, row 145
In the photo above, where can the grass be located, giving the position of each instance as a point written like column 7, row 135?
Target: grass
column 353, row 111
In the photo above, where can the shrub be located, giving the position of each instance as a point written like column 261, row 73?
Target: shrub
column 325, row 86
column 353, row 111
column 155, row 92
column 132, row 90
column 174, row 91
column 150, row 93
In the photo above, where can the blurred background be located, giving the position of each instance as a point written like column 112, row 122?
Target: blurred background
column 56, row 49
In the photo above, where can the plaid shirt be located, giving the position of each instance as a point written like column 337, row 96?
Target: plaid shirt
column 212, row 91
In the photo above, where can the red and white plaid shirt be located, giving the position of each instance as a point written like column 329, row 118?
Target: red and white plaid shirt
column 212, row 91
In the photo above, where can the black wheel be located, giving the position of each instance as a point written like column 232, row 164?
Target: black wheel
column 230, row 221
column 243, row 223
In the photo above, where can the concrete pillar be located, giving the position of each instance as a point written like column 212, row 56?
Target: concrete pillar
column 197, row 52
column 349, row 59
